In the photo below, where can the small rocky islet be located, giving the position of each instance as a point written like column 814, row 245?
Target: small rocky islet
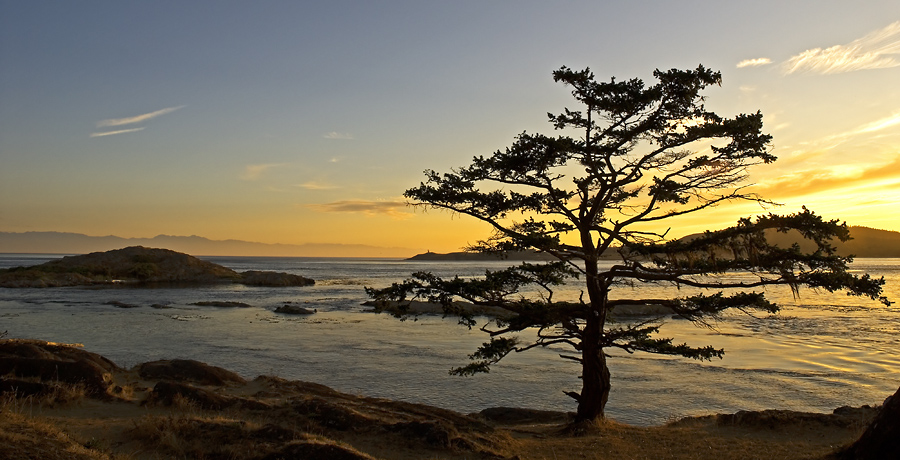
column 138, row 265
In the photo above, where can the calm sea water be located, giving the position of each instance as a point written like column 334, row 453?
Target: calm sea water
column 822, row 351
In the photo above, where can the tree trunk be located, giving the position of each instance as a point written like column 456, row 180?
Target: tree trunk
column 595, row 379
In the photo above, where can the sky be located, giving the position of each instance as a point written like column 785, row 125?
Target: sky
column 303, row 122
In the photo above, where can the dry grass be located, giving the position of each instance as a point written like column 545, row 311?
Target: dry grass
column 195, row 437
column 24, row 437
column 692, row 441
column 58, row 394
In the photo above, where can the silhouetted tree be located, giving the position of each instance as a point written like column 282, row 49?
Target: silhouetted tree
column 631, row 158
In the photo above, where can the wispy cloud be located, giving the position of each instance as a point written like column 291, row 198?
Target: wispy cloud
column 824, row 180
column 316, row 186
column 254, row 172
column 338, row 136
column 136, row 119
column 753, row 62
column 121, row 131
column 867, row 128
column 862, row 133
column 877, row 50
column 371, row 208
column 878, row 125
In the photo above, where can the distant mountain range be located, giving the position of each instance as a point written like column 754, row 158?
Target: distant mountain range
column 866, row 242
column 76, row 243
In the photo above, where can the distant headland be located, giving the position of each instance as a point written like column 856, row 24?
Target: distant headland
column 867, row 242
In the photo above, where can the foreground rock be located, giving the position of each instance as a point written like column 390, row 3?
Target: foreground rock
column 188, row 370
column 844, row 417
column 138, row 264
column 35, row 367
column 173, row 393
column 881, row 440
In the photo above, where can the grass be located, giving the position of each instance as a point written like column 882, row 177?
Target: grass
column 24, row 437
column 60, row 394
column 697, row 441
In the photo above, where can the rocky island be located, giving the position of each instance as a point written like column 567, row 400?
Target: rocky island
column 138, row 265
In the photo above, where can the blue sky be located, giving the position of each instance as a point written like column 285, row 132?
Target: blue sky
column 299, row 122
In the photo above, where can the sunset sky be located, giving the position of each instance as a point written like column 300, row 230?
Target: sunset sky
column 304, row 122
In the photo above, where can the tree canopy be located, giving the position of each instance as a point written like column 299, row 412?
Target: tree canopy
column 632, row 156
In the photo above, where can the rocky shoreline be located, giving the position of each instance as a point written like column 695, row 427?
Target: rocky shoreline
column 90, row 408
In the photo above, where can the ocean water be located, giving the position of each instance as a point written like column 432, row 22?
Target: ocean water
column 820, row 352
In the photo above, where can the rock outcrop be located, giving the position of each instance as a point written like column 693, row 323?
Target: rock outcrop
column 882, row 438
column 274, row 279
column 167, row 393
column 188, row 370
column 294, row 310
column 25, row 360
column 843, row 417
column 222, row 304
column 135, row 265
